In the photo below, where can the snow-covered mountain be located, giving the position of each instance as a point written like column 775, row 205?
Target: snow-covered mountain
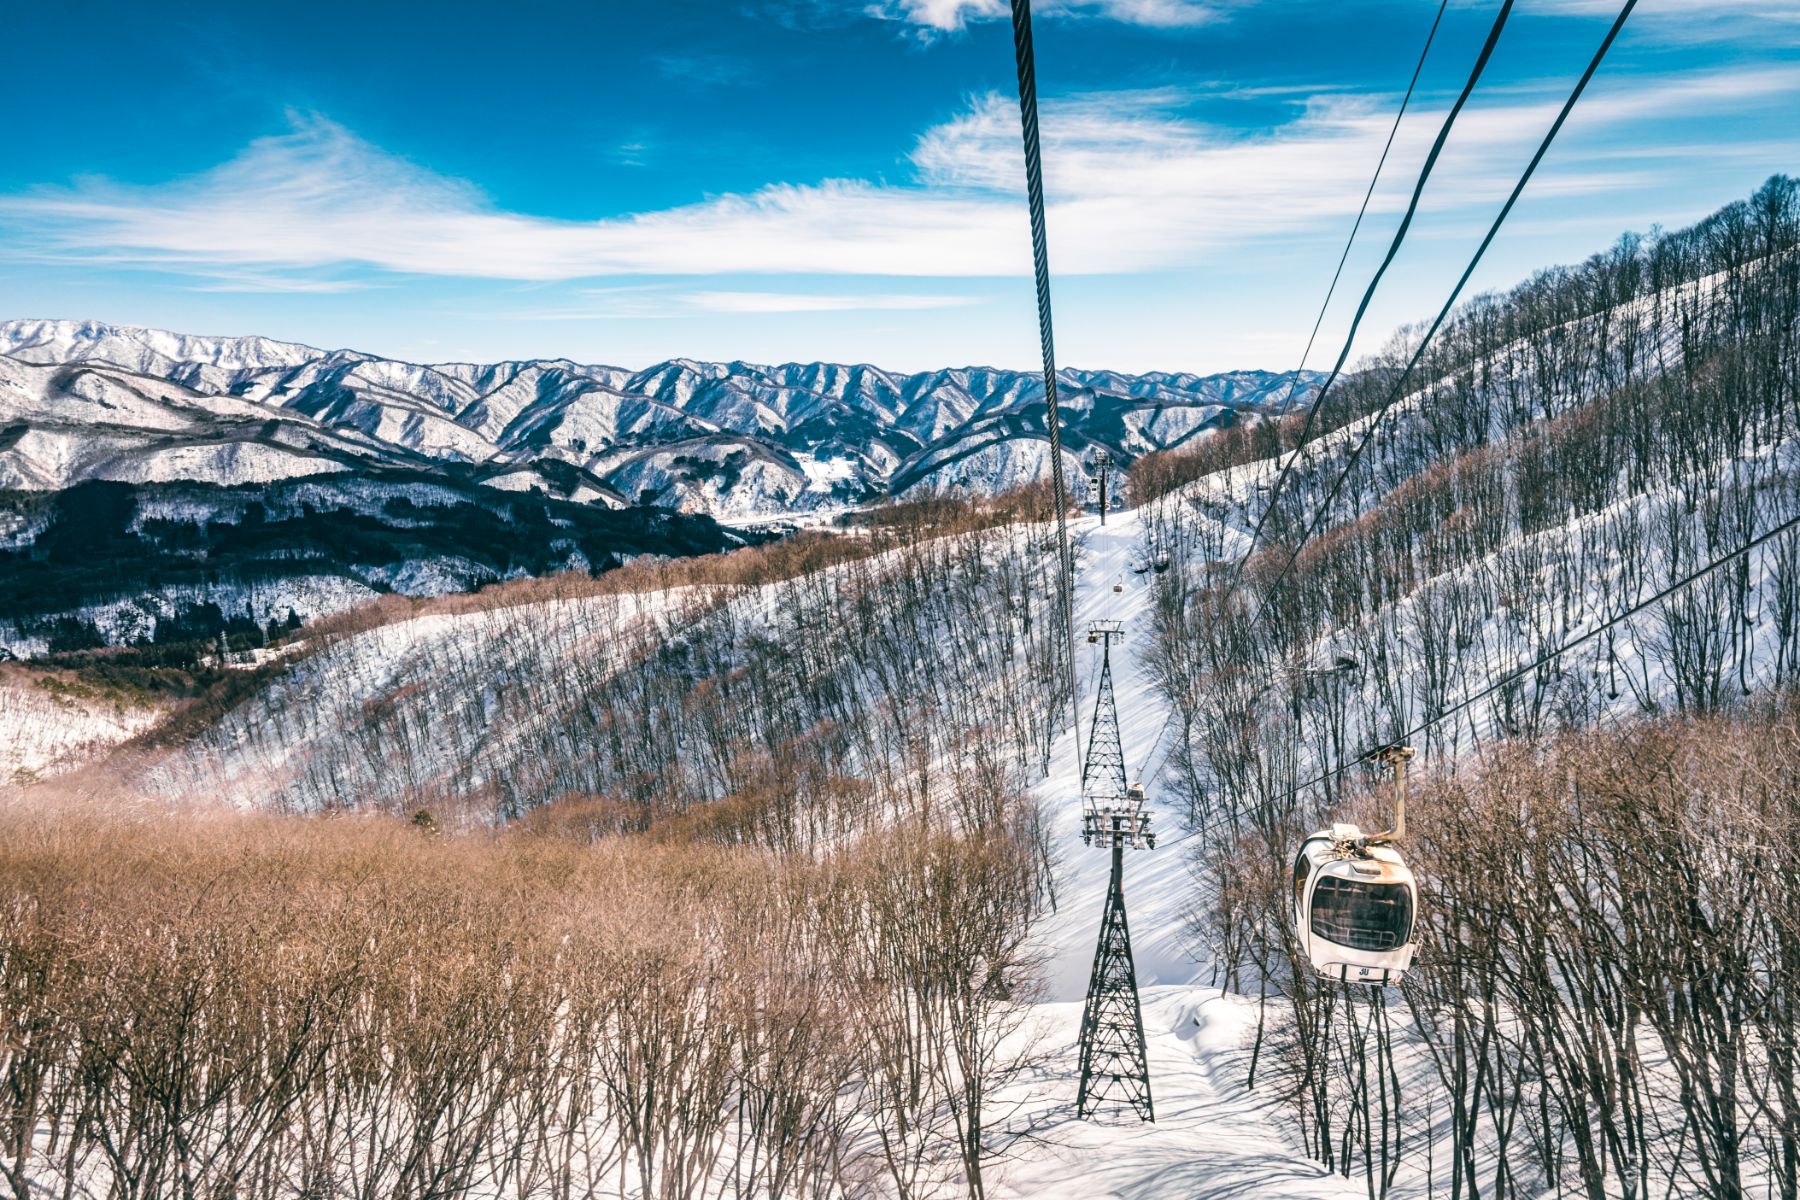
column 240, row 479
column 83, row 400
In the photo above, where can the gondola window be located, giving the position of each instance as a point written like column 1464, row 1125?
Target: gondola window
column 1363, row 916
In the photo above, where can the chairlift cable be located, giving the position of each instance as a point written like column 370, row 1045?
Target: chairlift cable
column 1040, row 262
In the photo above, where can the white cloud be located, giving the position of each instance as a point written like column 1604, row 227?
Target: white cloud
column 949, row 15
column 1765, row 23
column 1160, row 13
column 1135, row 182
column 1685, row 9
column 792, row 302
column 320, row 196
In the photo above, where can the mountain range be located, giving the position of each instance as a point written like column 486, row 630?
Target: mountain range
column 156, row 485
column 83, row 400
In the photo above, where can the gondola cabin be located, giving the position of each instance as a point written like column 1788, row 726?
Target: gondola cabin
column 1354, row 904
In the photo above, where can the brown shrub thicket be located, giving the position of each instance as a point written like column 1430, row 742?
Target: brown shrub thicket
column 1154, row 476
column 1607, row 993
column 260, row 1006
column 1606, row 998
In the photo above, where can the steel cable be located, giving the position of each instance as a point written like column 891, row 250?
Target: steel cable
column 1437, row 147
column 1546, row 659
column 1542, row 661
column 1319, row 321
column 1040, row 263
column 1394, row 396
column 1337, row 275
column 1419, row 353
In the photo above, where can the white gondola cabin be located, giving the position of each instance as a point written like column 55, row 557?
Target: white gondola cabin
column 1354, row 906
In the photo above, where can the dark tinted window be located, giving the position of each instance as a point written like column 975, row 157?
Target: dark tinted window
column 1363, row 916
column 1302, row 868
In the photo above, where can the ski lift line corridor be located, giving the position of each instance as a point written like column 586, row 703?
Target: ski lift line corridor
column 1212, row 1135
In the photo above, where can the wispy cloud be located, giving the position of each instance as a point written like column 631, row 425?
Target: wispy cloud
column 657, row 301
column 1136, row 182
column 254, row 281
column 793, row 302
column 931, row 18
column 702, row 69
column 949, row 15
column 632, row 153
column 1694, row 21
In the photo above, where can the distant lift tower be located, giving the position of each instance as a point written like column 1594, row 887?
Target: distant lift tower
column 1113, row 1063
column 1100, row 471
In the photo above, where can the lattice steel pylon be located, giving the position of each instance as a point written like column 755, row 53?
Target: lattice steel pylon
column 1114, row 1066
column 1100, row 472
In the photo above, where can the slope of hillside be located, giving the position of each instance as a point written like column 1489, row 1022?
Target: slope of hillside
column 50, row 721
column 1579, row 510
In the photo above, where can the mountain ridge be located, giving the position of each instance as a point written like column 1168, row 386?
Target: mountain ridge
column 723, row 438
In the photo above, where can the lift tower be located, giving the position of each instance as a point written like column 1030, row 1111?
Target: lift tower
column 1100, row 471
column 1113, row 1062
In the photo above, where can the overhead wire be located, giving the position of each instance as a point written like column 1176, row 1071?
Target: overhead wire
column 1394, row 395
column 1362, row 308
column 1543, row 660
column 1573, row 643
column 1398, row 389
column 1025, row 59
column 1394, row 129
column 1337, row 275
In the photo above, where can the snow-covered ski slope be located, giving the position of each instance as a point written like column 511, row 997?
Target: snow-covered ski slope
column 1212, row 1138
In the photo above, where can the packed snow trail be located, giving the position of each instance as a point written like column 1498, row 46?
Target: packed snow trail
column 1212, row 1138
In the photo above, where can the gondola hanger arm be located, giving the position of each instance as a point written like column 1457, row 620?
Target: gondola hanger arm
column 1398, row 756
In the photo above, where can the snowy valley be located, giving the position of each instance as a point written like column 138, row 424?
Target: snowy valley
column 795, row 828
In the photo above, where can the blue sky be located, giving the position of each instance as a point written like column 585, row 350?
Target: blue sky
column 813, row 179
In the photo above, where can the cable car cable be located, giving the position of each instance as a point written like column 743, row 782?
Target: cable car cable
column 1590, row 635
column 1294, row 383
column 1395, row 394
column 1040, row 264
column 1544, row 660
column 1337, row 275
column 1312, row 413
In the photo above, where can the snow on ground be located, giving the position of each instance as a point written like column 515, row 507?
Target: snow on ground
column 44, row 730
column 1211, row 1138
column 822, row 474
column 134, row 617
column 325, row 696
